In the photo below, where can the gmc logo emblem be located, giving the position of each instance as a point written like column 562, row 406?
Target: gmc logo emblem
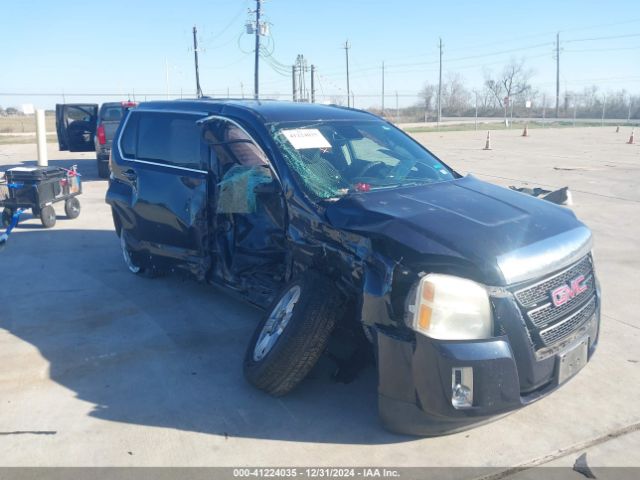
column 564, row 293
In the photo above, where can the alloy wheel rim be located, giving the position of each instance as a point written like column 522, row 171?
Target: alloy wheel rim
column 276, row 323
column 127, row 256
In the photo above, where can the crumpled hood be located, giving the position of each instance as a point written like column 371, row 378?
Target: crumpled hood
column 494, row 228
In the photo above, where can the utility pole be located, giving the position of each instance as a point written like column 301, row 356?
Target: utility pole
column 440, row 87
column 313, row 84
column 346, row 51
column 382, row 109
column 558, row 75
column 293, row 83
column 256, row 87
column 195, row 53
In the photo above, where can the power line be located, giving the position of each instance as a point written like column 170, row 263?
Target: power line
column 458, row 59
column 227, row 27
column 613, row 49
column 235, row 62
column 392, row 66
column 629, row 35
column 548, row 33
column 625, row 22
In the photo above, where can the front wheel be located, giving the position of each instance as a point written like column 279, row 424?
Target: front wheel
column 293, row 334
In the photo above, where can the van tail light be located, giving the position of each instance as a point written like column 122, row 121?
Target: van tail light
column 102, row 138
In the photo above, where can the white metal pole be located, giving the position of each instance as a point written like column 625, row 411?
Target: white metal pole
column 41, row 137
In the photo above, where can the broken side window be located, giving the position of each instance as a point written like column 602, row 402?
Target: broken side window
column 242, row 166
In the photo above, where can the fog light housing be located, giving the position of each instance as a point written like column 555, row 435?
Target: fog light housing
column 462, row 387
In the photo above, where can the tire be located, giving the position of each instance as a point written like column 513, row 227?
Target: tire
column 304, row 314
column 7, row 214
column 48, row 216
column 103, row 169
column 72, row 207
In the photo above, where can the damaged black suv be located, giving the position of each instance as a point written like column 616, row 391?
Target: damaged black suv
column 477, row 299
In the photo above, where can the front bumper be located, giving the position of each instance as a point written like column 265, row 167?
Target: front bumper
column 415, row 377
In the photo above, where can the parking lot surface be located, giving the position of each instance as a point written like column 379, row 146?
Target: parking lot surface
column 101, row 368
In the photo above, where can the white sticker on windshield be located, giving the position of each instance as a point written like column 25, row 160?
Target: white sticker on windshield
column 302, row 138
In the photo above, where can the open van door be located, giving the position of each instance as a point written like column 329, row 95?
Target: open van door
column 76, row 126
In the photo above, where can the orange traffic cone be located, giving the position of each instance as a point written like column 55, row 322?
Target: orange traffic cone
column 487, row 146
column 631, row 139
column 525, row 132
column 618, row 129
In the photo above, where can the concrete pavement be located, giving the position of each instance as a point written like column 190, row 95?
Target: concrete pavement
column 102, row 368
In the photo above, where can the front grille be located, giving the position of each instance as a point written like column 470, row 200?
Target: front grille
column 531, row 295
column 548, row 324
column 548, row 313
column 563, row 329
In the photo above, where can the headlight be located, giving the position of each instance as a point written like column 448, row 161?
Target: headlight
column 450, row 308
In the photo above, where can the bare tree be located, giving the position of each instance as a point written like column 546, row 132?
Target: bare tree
column 486, row 101
column 427, row 94
column 512, row 83
column 455, row 97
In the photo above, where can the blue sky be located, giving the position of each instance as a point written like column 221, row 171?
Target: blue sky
column 119, row 47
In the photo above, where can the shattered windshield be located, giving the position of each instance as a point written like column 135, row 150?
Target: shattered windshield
column 333, row 158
